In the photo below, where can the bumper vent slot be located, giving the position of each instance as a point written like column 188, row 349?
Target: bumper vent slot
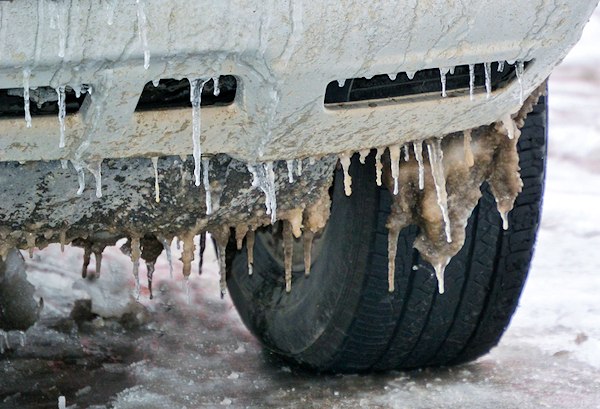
column 425, row 83
column 171, row 93
column 42, row 101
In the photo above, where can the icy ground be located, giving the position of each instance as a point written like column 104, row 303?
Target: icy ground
column 177, row 354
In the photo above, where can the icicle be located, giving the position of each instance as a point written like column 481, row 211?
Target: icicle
column 156, row 82
column 345, row 162
column 443, row 72
column 509, row 125
column 307, row 241
column 222, row 238
column 62, row 112
column 264, row 178
column 504, row 216
column 341, row 83
column 299, row 167
column 96, row 170
column 362, row 155
column 136, row 253
column 201, row 252
column 439, row 273
column 187, row 255
column 290, row 169
column 288, row 254
column 110, row 11
column 418, row 148
column 156, row 185
column 167, row 247
column 395, row 165
column 63, row 240
column 64, row 163
column 468, row 152
column 22, row 338
column 487, row 67
column 500, row 66
column 471, row 81
column 410, row 74
column 452, row 69
column 80, row 176
column 406, row 151
column 77, row 90
column 392, row 76
column 378, row 165
column 87, row 254
column 149, row 274
column 143, row 31
column 393, row 234
column 30, row 238
column 520, row 68
column 250, row 250
column 436, row 156
column 98, row 259
column 26, row 76
column 312, row 160
column 216, row 89
column 62, row 402
column 206, row 182
column 196, row 86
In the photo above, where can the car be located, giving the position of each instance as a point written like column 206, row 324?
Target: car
column 372, row 174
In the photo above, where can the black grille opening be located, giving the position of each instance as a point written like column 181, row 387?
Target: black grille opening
column 424, row 82
column 42, row 101
column 171, row 93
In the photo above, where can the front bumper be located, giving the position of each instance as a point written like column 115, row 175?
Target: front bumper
column 283, row 55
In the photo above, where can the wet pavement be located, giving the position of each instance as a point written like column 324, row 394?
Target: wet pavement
column 188, row 348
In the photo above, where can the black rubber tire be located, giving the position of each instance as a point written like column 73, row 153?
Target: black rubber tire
column 343, row 319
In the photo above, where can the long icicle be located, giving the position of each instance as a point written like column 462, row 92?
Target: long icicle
column 136, row 253
column 26, row 76
column 436, row 156
column 196, row 86
column 143, row 31
column 345, row 162
column 471, row 81
column 395, row 165
column 418, row 148
column 378, row 165
column 201, row 252
column 307, row 241
column 154, row 160
column 62, row 112
column 250, row 250
column 206, row 182
column 288, row 254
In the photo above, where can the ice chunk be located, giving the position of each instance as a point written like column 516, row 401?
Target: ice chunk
column 436, row 156
column 290, row 169
column 345, row 162
column 519, row 70
column 471, row 81
column 418, row 148
column 378, row 165
column 26, row 76
column 95, row 169
column 288, row 253
column 395, row 165
column 143, row 31
column 487, row 67
column 156, row 185
column 62, row 112
column 264, row 178
column 216, row 89
column 206, row 182
column 196, row 86
column 468, row 152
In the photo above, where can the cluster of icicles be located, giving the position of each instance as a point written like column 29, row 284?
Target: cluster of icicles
column 437, row 247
